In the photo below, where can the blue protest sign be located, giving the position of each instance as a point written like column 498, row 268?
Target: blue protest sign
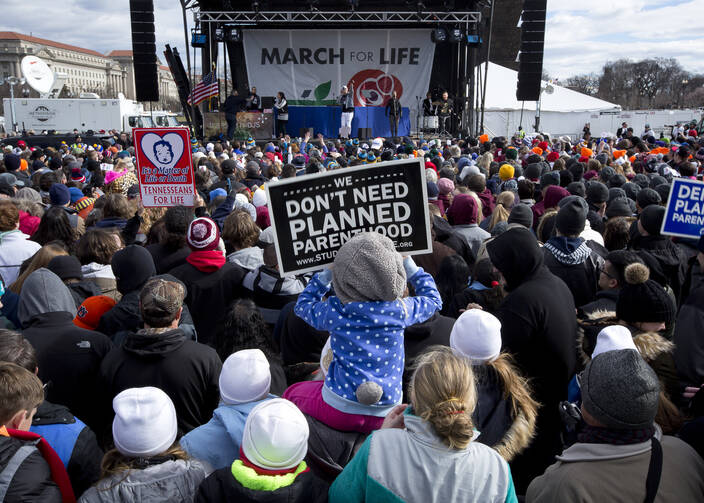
column 684, row 214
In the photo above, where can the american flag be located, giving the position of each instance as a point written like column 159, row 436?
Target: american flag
column 206, row 88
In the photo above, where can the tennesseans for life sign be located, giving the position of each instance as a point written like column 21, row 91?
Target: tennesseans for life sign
column 314, row 215
column 165, row 167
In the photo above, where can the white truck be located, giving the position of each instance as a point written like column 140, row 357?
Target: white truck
column 66, row 114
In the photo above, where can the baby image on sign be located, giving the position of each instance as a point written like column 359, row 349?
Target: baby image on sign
column 165, row 166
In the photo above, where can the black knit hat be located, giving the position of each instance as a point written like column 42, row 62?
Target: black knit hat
column 642, row 299
column 651, row 219
column 597, row 193
column 571, row 216
column 577, row 189
column 65, row 267
column 521, row 214
column 619, row 207
column 646, row 197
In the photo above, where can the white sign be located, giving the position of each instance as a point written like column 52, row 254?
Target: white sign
column 310, row 67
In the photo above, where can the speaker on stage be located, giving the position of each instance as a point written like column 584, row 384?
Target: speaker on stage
column 302, row 131
column 530, row 67
column 364, row 133
column 146, row 81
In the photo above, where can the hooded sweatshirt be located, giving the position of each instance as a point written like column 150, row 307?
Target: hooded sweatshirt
column 68, row 356
column 538, row 327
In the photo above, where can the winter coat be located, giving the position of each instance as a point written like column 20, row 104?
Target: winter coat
column 171, row 481
column 81, row 290
column 444, row 233
column 413, row 464
column 31, row 481
column 15, row 248
column 604, row 472
column 102, row 275
column 166, row 259
column 473, row 235
column 299, row 341
column 209, row 296
column 74, row 443
column 218, row 441
column 187, row 371
column 69, row 357
column 271, row 292
column 672, row 259
column 241, row 483
column 577, row 265
column 430, row 262
column 417, row 338
column 689, row 343
column 329, row 450
column 248, row 258
column 539, row 329
column 605, row 301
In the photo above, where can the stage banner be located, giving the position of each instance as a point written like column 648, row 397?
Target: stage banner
column 684, row 213
column 313, row 216
column 311, row 66
column 164, row 166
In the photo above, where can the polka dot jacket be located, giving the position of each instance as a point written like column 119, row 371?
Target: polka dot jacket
column 367, row 337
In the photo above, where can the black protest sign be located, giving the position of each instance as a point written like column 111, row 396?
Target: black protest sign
column 314, row 215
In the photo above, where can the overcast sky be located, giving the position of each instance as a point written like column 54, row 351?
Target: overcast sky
column 581, row 34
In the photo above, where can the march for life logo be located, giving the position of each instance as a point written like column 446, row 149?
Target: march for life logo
column 374, row 88
column 165, row 166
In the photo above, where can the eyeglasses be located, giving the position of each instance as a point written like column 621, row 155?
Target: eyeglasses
column 606, row 273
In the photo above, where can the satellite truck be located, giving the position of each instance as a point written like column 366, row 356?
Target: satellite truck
column 89, row 112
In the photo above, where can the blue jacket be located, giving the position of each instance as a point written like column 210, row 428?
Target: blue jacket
column 218, row 441
column 366, row 338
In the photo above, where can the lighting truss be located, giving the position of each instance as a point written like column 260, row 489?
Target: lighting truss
column 338, row 17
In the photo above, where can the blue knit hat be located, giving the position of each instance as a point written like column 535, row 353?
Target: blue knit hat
column 76, row 194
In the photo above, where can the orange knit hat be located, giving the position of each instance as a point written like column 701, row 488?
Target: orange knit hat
column 484, row 138
column 586, row 152
column 89, row 313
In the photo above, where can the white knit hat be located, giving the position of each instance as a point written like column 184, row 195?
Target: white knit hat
column 613, row 338
column 145, row 422
column 245, row 377
column 259, row 198
column 241, row 198
column 275, row 435
column 477, row 335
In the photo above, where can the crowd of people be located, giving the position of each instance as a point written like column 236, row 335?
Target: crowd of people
column 549, row 348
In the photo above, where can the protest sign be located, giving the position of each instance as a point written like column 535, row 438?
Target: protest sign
column 313, row 216
column 164, row 165
column 684, row 213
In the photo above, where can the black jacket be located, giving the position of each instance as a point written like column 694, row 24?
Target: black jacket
column 393, row 108
column 689, row 342
column 222, row 486
column 69, row 358
column 671, row 258
column 539, row 329
column 605, row 301
column 299, row 342
column 433, row 331
column 187, row 371
column 492, row 416
column 32, row 481
column 582, row 279
column 209, row 296
column 329, row 450
column 166, row 259
column 71, row 438
column 233, row 104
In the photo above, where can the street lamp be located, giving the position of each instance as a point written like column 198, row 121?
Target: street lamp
column 12, row 82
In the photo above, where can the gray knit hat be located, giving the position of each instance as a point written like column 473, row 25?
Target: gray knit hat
column 620, row 390
column 368, row 268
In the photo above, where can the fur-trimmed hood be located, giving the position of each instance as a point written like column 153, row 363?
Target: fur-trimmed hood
column 651, row 345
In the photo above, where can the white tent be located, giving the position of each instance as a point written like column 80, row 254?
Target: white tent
column 564, row 112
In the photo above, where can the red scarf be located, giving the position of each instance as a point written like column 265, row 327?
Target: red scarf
column 58, row 471
column 206, row 261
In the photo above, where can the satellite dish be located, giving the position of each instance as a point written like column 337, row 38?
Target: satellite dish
column 549, row 89
column 38, row 74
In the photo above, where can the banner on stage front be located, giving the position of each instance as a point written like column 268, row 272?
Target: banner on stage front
column 313, row 216
column 311, row 66
column 684, row 213
column 164, row 166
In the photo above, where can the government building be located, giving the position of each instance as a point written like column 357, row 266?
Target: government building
column 86, row 70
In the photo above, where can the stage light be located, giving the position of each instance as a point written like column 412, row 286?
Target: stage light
column 233, row 35
column 354, row 4
column 219, row 35
column 438, row 35
column 455, row 35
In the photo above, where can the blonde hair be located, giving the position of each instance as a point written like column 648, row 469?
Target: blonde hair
column 504, row 201
column 484, row 162
column 443, row 393
column 39, row 260
column 114, row 462
column 480, row 210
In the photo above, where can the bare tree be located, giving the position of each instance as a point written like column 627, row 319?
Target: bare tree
column 587, row 83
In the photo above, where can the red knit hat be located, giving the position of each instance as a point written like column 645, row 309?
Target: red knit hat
column 553, row 156
column 203, row 234
column 89, row 313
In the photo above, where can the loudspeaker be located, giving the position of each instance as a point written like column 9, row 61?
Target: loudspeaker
column 530, row 67
column 146, row 81
column 364, row 133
